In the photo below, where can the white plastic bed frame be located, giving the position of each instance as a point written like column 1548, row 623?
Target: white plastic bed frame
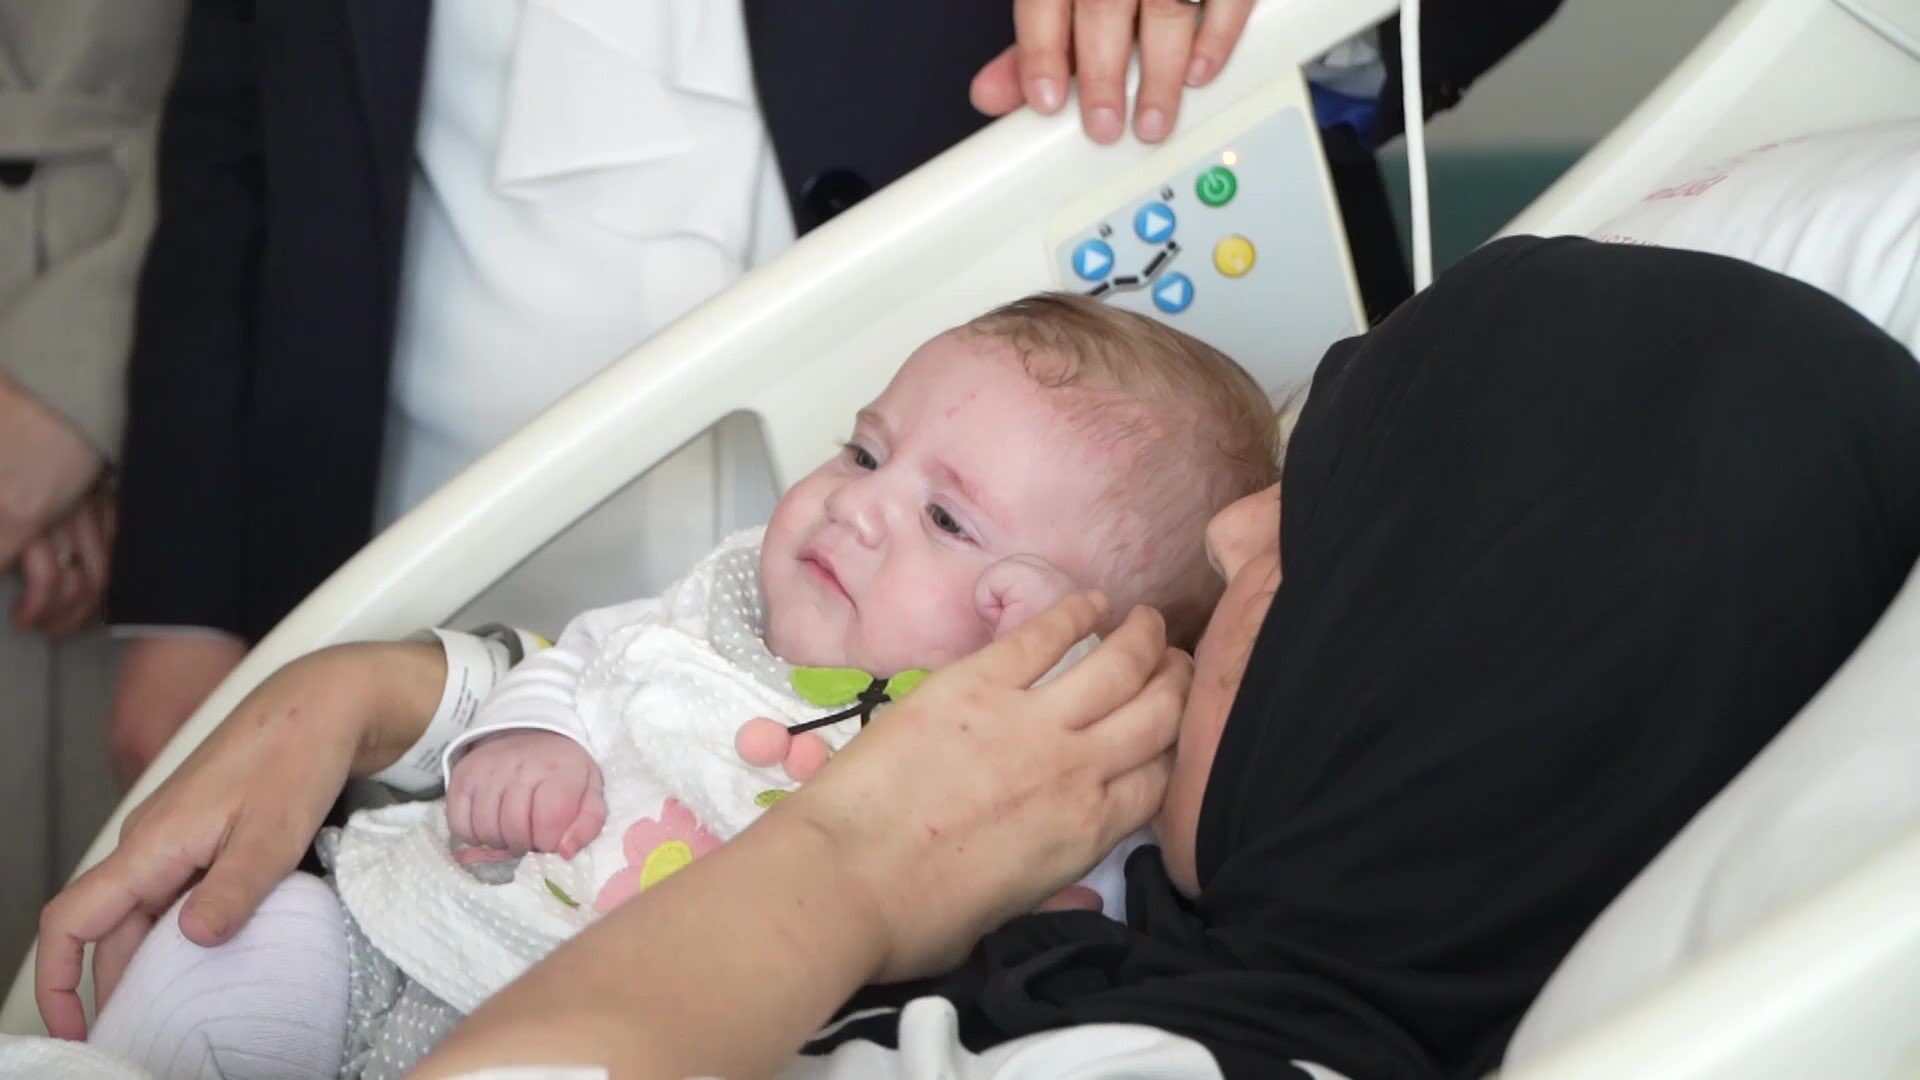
column 1824, row 989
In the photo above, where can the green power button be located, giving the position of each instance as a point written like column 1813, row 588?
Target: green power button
column 1216, row 186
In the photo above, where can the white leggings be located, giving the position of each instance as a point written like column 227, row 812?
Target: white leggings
column 269, row 1004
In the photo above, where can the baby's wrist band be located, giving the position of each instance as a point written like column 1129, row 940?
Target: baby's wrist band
column 475, row 665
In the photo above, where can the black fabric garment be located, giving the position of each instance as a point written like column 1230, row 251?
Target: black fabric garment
column 264, row 334
column 1565, row 542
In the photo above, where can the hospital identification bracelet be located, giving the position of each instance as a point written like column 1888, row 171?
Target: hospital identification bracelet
column 475, row 665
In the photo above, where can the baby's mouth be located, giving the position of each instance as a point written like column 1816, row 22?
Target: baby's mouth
column 821, row 570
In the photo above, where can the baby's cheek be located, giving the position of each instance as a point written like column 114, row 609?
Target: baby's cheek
column 938, row 624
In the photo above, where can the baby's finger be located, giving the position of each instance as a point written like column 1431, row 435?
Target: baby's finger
column 485, row 813
column 1114, row 672
column 474, row 854
column 516, row 816
column 556, row 804
column 1149, row 724
column 593, row 818
column 460, row 808
column 1023, row 656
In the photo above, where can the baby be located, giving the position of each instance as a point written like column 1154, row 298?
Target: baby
column 1051, row 445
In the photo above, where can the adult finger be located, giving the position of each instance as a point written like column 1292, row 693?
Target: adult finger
column 1020, row 658
column 1147, row 725
column 39, row 578
column 1133, row 798
column 1166, row 42
column 76, row 596
column 1221, row 22
column 263, row 847
column 996, row 89
column 1103, row 33
column 1113, row 673
column 113, row 952
column 93, row 543
column 87, row 910
column 1042, row 35
column 1071, row 898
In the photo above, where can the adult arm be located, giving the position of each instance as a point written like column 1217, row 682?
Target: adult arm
column 978, row 796
column 242, row 809
column 177, row 560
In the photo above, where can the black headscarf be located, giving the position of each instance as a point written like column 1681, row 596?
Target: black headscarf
column 1565, row 542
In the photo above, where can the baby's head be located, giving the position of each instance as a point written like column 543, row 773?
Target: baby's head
column 1056, row 426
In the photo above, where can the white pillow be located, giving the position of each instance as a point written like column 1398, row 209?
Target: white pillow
column 1840, row 211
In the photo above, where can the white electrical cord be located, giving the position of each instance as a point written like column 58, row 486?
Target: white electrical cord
column 1414, row 106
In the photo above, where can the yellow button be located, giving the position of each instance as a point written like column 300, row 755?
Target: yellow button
column 1233, row 256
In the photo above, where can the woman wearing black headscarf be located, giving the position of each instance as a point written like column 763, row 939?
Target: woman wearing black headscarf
column 1566, row 541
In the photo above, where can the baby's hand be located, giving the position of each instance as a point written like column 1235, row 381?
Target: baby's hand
column 1016, row 589
column 522, row 791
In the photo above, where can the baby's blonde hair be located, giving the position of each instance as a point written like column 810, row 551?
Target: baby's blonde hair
column 1200, row 431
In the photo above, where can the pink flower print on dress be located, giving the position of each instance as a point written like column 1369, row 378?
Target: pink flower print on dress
column 656, row 850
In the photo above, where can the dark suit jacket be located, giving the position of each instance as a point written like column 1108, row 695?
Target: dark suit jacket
column 266, row 312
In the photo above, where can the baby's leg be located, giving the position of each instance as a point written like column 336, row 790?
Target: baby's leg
column 272, row 1002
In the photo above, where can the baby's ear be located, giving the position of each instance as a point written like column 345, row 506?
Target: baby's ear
column 1016, row 589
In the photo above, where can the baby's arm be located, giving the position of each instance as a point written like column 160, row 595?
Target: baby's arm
column 523, row 777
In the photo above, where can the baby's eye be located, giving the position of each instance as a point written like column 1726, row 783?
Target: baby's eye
column 944, row 522
column 861, row 459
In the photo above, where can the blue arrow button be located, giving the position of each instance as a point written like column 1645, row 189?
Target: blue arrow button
column 1154, row 223
column 1174, row 293
column 1092, row 260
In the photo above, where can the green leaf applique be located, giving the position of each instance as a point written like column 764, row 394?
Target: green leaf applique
column 560, row 894
column 905, row 683
column 829, row 686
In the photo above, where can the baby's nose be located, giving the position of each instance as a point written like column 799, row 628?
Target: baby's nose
column 859, row 507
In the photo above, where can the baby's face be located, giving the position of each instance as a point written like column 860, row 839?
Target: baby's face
column 870, row 561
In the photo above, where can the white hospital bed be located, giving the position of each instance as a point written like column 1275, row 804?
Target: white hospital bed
column 1028, row 204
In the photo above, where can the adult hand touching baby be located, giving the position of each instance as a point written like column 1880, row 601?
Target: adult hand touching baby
column 984, row 793
column 237, row 815
column 979, row 795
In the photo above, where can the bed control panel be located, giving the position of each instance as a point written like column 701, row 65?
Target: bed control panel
column 1243, row 249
